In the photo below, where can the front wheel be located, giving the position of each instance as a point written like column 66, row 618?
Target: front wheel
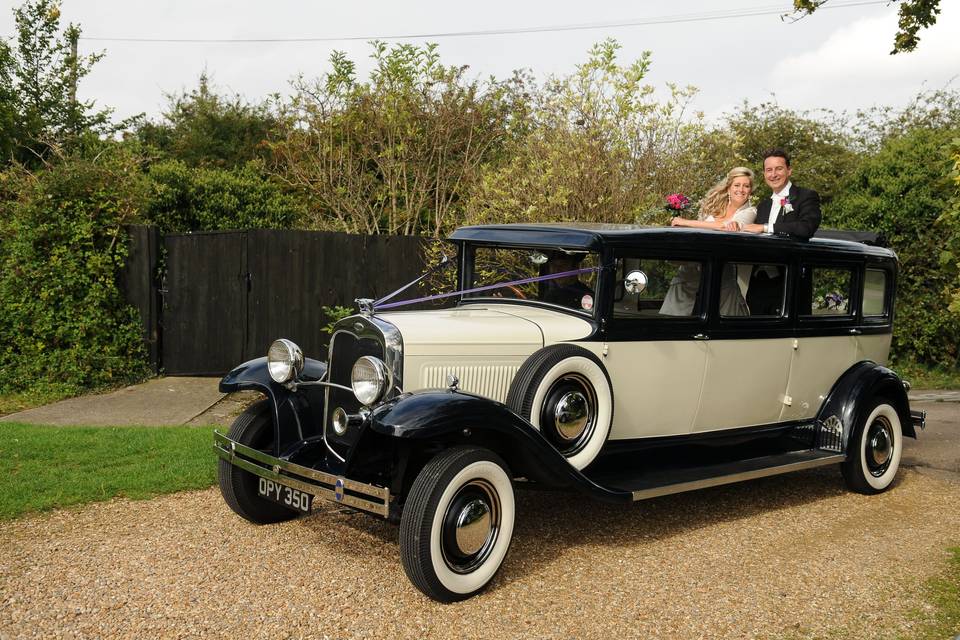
column 457, row 523
column 253, row 428
column 873, row 454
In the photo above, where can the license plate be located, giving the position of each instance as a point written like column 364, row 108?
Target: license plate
column 287, row 496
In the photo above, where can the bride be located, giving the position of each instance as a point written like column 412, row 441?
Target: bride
column 725, row 207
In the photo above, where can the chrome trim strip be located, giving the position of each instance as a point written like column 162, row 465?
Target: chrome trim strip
column 736, row 477
column 321, row 383
column 231, row 451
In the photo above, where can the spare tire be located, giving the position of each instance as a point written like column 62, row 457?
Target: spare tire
column 565, row 392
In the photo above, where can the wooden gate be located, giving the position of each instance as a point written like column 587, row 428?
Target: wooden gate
column 227, row 295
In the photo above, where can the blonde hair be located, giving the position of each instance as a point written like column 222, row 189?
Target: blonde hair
column 715, row 202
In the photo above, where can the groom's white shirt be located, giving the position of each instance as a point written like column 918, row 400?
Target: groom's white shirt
column 775, row 206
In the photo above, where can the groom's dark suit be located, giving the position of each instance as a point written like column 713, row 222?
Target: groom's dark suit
column 765, row 294
column 800, row 223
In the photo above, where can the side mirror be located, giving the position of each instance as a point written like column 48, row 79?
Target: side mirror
column 635, row 282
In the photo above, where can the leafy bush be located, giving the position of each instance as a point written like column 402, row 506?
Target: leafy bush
column 205, row 129
column 63, row 320
column 398, row 153
column 821, row 151
column 203, row 199
column 899, row 192
column 599, row 147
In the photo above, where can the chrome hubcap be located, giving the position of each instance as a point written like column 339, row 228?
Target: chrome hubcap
column 879, row 447
column 473, row 526
column 571, row 415
column 880, row 444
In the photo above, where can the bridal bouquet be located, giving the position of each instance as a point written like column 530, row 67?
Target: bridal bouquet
column 677, row 203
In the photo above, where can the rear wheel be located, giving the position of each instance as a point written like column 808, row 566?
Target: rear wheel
column 457, row 523
column 253, row 428
column 874, row 450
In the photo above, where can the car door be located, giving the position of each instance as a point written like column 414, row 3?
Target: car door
column 655, row 355
column 749, row 347
column 827, row 335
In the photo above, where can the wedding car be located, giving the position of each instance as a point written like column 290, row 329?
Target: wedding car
column 620, row 362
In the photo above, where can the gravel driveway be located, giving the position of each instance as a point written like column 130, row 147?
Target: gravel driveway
column 792, row 556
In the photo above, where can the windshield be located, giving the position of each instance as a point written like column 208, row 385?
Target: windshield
column 499, row 265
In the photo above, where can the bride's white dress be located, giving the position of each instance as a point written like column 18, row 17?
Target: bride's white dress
column 682, row 294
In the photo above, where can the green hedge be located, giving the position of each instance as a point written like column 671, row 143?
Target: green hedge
column 901, row 191
column 202, row 199
column 63, row 320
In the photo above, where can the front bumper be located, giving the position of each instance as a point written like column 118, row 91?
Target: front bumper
column 365, row 497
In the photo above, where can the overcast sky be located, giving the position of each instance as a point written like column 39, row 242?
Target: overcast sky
column 835, row 59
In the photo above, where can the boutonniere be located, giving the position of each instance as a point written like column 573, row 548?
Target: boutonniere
column 785, row 205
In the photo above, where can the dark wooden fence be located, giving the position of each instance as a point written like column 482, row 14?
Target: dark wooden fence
column 225, row 296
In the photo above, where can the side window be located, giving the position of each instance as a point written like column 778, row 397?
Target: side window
column 752, row 289
column 825, row 291
column 673, row 289
column 874, row 293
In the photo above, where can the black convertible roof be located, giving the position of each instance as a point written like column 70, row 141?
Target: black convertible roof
column 594, row 236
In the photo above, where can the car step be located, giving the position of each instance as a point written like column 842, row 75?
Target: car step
column 651, row 484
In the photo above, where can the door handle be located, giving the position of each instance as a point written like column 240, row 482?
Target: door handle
column 701, row 336
column 855, row 332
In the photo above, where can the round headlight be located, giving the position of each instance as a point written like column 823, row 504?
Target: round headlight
column 284, row 360
column 370, row 379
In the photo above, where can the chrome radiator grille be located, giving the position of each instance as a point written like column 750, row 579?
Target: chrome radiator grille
column 490, row 381
column 345, row 349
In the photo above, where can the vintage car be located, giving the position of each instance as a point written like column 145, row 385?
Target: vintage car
column 621, row 362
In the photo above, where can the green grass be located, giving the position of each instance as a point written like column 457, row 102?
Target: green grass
column 943, row 594
column 13, row 402
column 923, row 377
column 44, row 467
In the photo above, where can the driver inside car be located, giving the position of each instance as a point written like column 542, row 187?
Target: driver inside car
column 567, row 291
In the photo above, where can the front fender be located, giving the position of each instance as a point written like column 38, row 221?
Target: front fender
column 455, row 417
column 858, row 384
column 297, row 414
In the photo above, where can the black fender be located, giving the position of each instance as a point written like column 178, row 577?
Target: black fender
column 297, row 412
column 858, row 385
column 450, row 418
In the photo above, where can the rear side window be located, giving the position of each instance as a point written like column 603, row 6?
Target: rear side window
column 752, row 289
column 875, row 293
column 826, row 291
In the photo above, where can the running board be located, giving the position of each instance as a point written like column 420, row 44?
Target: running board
column 665, row 482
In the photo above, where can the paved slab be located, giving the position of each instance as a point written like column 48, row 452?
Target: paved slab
column 933, row 395
column 937, row 446
column 157, row 402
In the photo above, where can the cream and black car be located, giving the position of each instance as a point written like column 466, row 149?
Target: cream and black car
column 617, row 361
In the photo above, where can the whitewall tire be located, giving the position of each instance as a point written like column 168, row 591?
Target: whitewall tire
column 565, row 392
column 457, row 523
column 874, row 450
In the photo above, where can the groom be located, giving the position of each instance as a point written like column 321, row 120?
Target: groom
column 790, row 211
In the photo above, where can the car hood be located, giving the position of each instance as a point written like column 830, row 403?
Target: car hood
column 493, row 330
